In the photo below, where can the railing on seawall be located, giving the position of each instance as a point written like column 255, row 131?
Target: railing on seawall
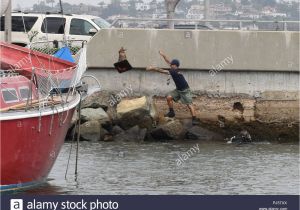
column 269, row 25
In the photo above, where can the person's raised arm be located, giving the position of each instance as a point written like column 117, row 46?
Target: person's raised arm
column 163, row 71
column 165, row 57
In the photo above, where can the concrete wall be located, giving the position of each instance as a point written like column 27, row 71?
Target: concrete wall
column 264, row 64
column 268, row 85
column 198, row 50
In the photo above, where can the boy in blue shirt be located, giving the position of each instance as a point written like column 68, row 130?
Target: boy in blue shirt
column 182, row 91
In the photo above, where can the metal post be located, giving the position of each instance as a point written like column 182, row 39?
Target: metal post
column 285, row 26
column 207, row 5
column 7, row 23
column 170, row 6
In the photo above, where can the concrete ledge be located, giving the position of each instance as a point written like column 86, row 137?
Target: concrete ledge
column 261, row 85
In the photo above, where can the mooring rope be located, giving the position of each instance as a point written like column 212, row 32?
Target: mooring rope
column 78, row 138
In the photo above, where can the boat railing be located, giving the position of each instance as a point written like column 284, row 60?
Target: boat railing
column 253, row 24
column 8, row 73
column 50, row 47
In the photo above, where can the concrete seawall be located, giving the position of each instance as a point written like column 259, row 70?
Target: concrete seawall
column 255, row 77
column 198, row 50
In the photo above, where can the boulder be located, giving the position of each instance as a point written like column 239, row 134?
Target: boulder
column 133, row 134
column 243, row 137
column 97, row 100
column 200, row 133
column 116, row 130
column 104, row 100
column 131, row 112
column 170, row 130
column 90, row 114
column 107, row 137
column 92, row 131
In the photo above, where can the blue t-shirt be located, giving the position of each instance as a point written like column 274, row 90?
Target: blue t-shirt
column 179, row 80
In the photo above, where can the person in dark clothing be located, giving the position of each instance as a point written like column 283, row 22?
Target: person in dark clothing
column 182, row 91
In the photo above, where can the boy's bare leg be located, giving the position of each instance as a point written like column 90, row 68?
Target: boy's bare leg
column 170, row 102
column 195, row 121
column 192, row 110
column 171, row 112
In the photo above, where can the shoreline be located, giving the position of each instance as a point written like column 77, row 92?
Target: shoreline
column 141, row 119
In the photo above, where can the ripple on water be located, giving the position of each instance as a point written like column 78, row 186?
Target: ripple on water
column 150, row 168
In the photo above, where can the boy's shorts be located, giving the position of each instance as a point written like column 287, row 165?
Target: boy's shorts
column 185, row 96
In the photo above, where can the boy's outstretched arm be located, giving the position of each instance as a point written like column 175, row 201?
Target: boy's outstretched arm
column 165, row 57
column 163, row 71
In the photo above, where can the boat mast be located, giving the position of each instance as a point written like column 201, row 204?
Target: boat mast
column 62, row 14
column 61, row 8
column 7, row 23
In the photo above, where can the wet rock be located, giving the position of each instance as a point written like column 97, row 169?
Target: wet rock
column 133, row 134
column 101, row 99
column 200, row 133
column 90, row 114
column 135, row 112
column 243, row 137
column 117, row 130
column 90, row 131
column 170, row 130
column 93, row 131
column 154, row 111
column 105, row 135
column 108, row 137
column 97, row 100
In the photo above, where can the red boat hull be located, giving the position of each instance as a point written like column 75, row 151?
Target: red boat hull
column 30, row 146
column 32, row 138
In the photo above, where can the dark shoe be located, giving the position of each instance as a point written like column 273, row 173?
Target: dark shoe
column 170, row 114
column 195, row 121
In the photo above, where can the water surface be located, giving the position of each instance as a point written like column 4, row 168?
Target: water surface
column 152, row 168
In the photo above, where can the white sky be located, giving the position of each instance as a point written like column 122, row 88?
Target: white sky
column 30, row 3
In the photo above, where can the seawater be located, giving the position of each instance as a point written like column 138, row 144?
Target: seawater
column 111, row 168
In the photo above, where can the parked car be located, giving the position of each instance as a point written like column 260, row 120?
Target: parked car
column 33, row 27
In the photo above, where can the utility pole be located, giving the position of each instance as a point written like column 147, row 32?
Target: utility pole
column 170, row 6
column 7, row 23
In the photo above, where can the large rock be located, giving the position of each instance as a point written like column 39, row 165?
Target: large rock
column 97, row 100
column 92, row 131
column 103, row 99
column 131, row 112
column 116, row 130
column 243, row 137
column 90, row 114
column 133, row 134
column 200, row 133
column 170, row 130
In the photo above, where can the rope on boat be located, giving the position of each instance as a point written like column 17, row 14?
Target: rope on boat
column 51, row 123
column 70, row 152
column 29, row 97
column 78, row 137
column 76, row 127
